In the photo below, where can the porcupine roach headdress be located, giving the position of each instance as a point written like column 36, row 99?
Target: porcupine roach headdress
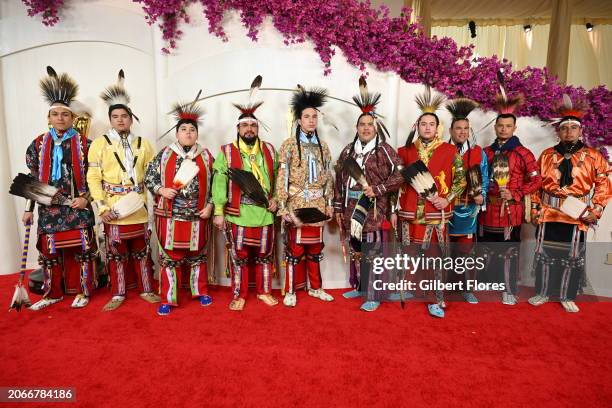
column 428, row 104
column 504, row 104
column 459, row 109
column 568, row 111
column 58, row 90
column 366, row 102
column 189, row 112
column 247, row 110
column 302, row 99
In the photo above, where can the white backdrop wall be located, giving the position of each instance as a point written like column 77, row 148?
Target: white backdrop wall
column 94, row 54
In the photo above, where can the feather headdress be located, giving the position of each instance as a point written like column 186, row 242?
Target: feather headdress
column 568, row 111
column 189, row 112
column 247, row 110
column 116, row 96
column 60, row 89
column 460, row 108
column 366, row 102
column 302, row 99
column 428, row 104
column 504, row 104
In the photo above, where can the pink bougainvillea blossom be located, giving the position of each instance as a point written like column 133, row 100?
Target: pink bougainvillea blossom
column 366, row 35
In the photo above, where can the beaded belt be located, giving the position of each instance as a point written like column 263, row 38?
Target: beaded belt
column 557, row 202
column 185, row 203
column 244, row 199
column 120, row 189
column 307, row 194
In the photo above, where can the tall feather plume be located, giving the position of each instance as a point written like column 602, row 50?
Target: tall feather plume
column 250, row 107
column 363, row 88
column 51, row 72
column 26, row 186
column 502, row 84
column 255, row 85
column 249, row 186
column 58, row 88
column 427, row 102
column 367, row 102
column 503, row 103
column 567, row 102
column 116, row 94
column 310, row 215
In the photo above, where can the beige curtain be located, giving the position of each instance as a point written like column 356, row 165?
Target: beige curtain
column 559, row 39
column 590, row 56
column 421, row 10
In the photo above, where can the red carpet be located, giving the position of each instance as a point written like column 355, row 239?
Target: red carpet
column 317, row 354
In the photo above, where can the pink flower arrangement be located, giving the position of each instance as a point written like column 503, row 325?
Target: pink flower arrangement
column 49, row 10
column 370, row 36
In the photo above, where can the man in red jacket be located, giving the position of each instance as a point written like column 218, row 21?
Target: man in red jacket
column 514, row 175
column 424, row 220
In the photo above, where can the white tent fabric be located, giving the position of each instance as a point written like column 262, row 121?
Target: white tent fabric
column 590, row 56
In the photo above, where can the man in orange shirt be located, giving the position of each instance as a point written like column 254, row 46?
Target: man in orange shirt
column 564, row 209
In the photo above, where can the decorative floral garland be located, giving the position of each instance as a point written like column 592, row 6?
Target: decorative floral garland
column 369, row 36
column 49, row 9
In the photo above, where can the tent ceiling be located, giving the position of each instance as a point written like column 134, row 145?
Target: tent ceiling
column 514, row 9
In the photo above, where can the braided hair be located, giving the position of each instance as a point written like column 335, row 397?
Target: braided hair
column 298, row 129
